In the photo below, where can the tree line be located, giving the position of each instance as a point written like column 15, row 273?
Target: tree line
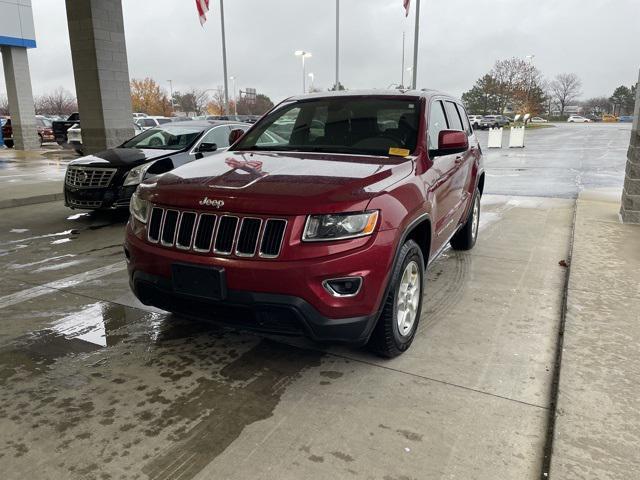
column 516, row 85
column 147, row 96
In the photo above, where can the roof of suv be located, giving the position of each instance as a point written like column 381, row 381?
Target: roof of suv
column 426, row 93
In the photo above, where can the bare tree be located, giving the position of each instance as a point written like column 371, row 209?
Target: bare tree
column 217, row 104
column 565, row 89
column 58, row 102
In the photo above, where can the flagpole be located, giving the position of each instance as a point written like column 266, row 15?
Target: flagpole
column 224, row 60
column 337, row 43
column 415, row 47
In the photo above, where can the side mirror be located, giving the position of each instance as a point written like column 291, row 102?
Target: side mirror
column 235, row 135
column 451, row 142
column 207, row 147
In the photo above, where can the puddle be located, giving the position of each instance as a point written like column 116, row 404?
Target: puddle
column 62, row 240
column 59, row 266
column 77, row 216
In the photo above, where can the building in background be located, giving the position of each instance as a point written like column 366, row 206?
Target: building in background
column 17, row 34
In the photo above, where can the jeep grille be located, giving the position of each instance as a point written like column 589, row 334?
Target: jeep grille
column 225, row 234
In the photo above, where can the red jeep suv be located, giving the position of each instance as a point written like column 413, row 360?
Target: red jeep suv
column 321, row 219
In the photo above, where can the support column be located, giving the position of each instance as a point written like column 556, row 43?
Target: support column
column 630, row 210
column 18, row 80
column 101, row 71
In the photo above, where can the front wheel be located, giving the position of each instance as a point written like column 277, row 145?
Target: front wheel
column 398, row 322
column 466, row 237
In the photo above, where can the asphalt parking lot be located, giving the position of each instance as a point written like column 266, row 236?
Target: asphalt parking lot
column 95, row 385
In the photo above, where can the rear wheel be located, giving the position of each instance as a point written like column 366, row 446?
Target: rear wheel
column 466, row 237
column 398, row 322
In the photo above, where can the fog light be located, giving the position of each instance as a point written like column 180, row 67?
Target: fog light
column 343, row 287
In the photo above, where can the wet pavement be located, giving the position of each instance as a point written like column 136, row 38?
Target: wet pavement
column 559, row 161
column 95, row 385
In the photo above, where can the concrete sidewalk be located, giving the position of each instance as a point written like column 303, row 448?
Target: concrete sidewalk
column 597, row 431
column 33, row 176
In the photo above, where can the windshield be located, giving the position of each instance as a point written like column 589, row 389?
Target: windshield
column 165, row 137
column 368, row 126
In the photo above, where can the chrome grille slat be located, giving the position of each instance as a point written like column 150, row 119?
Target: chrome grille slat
column 185, row 230
column 225, row 235
column 204, row 232
column 248, row 237
column 89, row 177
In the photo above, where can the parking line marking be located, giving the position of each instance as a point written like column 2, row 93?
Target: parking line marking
column 34, row 292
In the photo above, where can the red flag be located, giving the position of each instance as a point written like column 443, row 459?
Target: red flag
column 407, row 4
column 203, row 8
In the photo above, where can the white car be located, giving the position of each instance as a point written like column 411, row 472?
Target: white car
column 538, row 120
column 474, row 120
column 74, row 136
column 578, row 119
column 149, row 122
column 137, row 115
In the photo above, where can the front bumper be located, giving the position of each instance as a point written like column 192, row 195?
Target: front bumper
column 282, row 296
column 98, row 198
column 265, row 312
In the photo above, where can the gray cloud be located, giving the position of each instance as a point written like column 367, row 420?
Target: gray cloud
column 460, row 41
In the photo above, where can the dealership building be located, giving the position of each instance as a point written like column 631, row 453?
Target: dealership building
column 100, row 69
column 17, row 34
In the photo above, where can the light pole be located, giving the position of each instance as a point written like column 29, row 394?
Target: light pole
column 235, row 96
column 304, row 55
column 312, row 77
column 171, row 93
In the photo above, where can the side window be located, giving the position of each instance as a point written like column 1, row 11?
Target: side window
column 437, row 122
column 452, row 116
column 465, row 119
column 218, row 135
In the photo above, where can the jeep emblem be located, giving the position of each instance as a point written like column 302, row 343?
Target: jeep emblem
column 211, row 202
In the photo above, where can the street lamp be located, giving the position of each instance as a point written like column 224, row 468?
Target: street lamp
column 304, row 55
column 312, row 77
column 235, row 96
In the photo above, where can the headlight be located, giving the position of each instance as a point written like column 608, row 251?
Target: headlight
column 339, row 226
column 139, row 208
column 136, row 174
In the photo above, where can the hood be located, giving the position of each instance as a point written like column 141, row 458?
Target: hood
column 280, row 183
column 122, row 157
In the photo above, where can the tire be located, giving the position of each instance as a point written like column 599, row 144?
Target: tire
column 387, row 340
column 8, row 143
column 465, row 238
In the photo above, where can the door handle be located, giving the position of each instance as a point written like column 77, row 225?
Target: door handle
column 458, row 160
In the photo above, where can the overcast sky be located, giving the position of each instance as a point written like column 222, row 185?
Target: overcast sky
column 460, row 41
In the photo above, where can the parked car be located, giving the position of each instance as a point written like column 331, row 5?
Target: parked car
column 43, row 127
column 74, row 136
column 326, row 233
column 60, row 128
column 137, row 115
column 625, row 118
column 578, row 119
column 149, row 122
column 493, row 121
column 475, row 120
column 593, row 117
column 45, row 130
column 609, row 118
column 538, row 120
column 107, row 179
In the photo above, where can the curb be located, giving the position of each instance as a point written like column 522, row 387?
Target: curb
column 557, row 370
column 19, row 202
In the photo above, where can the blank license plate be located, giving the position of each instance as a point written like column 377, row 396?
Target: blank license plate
column 204, row 282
